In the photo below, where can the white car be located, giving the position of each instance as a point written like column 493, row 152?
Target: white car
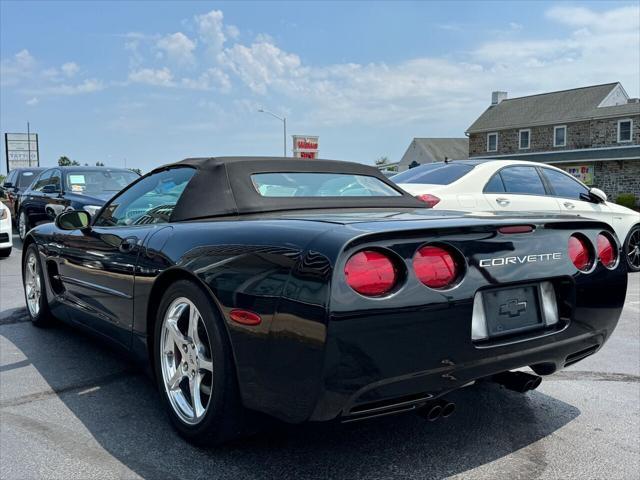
column 513, row 185
column 6, row 242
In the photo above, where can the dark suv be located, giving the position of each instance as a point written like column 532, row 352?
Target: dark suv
column 17, row 181
column 69, row 188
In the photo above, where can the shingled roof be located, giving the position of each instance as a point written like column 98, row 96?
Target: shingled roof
column 552, row 108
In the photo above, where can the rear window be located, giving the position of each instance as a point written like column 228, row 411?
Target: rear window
column 434, row 174
column 315, row 184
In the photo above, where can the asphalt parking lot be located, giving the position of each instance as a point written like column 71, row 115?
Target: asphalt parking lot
column 73, row 408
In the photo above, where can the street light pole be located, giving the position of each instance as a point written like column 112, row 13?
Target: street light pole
column 284, row 125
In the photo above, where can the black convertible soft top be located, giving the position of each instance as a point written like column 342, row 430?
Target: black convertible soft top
column 222, row 186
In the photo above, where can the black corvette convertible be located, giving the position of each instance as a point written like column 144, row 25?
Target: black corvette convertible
column 318, row 290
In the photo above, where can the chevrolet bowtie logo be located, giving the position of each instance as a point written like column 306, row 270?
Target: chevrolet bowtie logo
column 513, row 308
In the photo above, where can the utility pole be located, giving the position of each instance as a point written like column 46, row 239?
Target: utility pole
column 28, row 145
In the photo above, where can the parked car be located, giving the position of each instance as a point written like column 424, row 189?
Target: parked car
column 316, row 291
column 69, row 188
column 520, row 186
column 16, row 182
column 6, row 242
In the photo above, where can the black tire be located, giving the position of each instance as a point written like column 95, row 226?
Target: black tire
column 5, row 252
column 43, row 316
column 23, row 234
column 631, row 249
column 223, row 420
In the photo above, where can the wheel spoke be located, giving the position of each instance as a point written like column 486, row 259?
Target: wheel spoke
column 192, row 331
column 178, row 338
column 174, row 382
column 194, row 389
column 205, row 364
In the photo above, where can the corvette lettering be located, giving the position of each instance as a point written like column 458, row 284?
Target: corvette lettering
column 499, row 261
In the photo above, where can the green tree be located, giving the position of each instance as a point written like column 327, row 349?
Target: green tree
column 382, row 161
column 137, row 170
column 65, row 161
column 99, row 164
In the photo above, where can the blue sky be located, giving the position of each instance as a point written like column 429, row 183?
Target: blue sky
column 154, row 82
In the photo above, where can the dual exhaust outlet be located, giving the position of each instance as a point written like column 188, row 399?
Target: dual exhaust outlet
column 520, row 382
column 438, row 409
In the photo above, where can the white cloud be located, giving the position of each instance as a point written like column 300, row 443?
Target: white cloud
column 262, row 64
column 212, row 31
column 33, row 101
column 160, row 77
column 24, row 59
column 16, row 69
column 212, row 79
column 617, row 19
column 70, row 69
column 178, row 47
column 88, row 86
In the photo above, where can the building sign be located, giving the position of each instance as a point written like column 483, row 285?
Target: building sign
column 305, row 146
column 21, row 150
column 584, row 173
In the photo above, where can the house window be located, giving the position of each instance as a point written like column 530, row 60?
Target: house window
column 492, row 142
column 525, row 139
column 624, row 130
column 560, row 136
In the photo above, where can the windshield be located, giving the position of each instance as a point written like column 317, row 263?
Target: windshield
column 92, row 182
column 434, row 174
column 320, row 185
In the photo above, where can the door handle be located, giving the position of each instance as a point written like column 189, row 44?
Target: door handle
column 503, row 202
column 128, row 244
column 569, row 205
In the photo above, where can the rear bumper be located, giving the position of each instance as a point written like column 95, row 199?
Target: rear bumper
column 396, row 361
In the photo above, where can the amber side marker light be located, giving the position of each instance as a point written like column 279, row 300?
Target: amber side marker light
column 606, row 251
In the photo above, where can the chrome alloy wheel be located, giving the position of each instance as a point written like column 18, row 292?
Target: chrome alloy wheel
column 32, row 285
column 186, row 361
column 633, row 249
column 22, row 225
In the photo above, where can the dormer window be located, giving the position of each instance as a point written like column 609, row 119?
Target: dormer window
column 492, row 142
column 525, row 139
column 624, row 130
column 560, row 136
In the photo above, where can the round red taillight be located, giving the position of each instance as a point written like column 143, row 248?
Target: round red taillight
column 579, row 252
column 370, row 273
column 606, row 251
column 435, row 267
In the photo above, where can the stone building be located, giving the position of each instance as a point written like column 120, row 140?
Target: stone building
column 592, row 132
column 429, row 150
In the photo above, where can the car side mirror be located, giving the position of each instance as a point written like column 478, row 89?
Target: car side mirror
column 7, row 185
column 50, row 189
column 598, row 195
column 73, row 220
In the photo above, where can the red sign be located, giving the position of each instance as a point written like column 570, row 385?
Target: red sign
column 305, row 146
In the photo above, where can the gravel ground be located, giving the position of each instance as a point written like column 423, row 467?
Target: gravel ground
column 71, row 408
